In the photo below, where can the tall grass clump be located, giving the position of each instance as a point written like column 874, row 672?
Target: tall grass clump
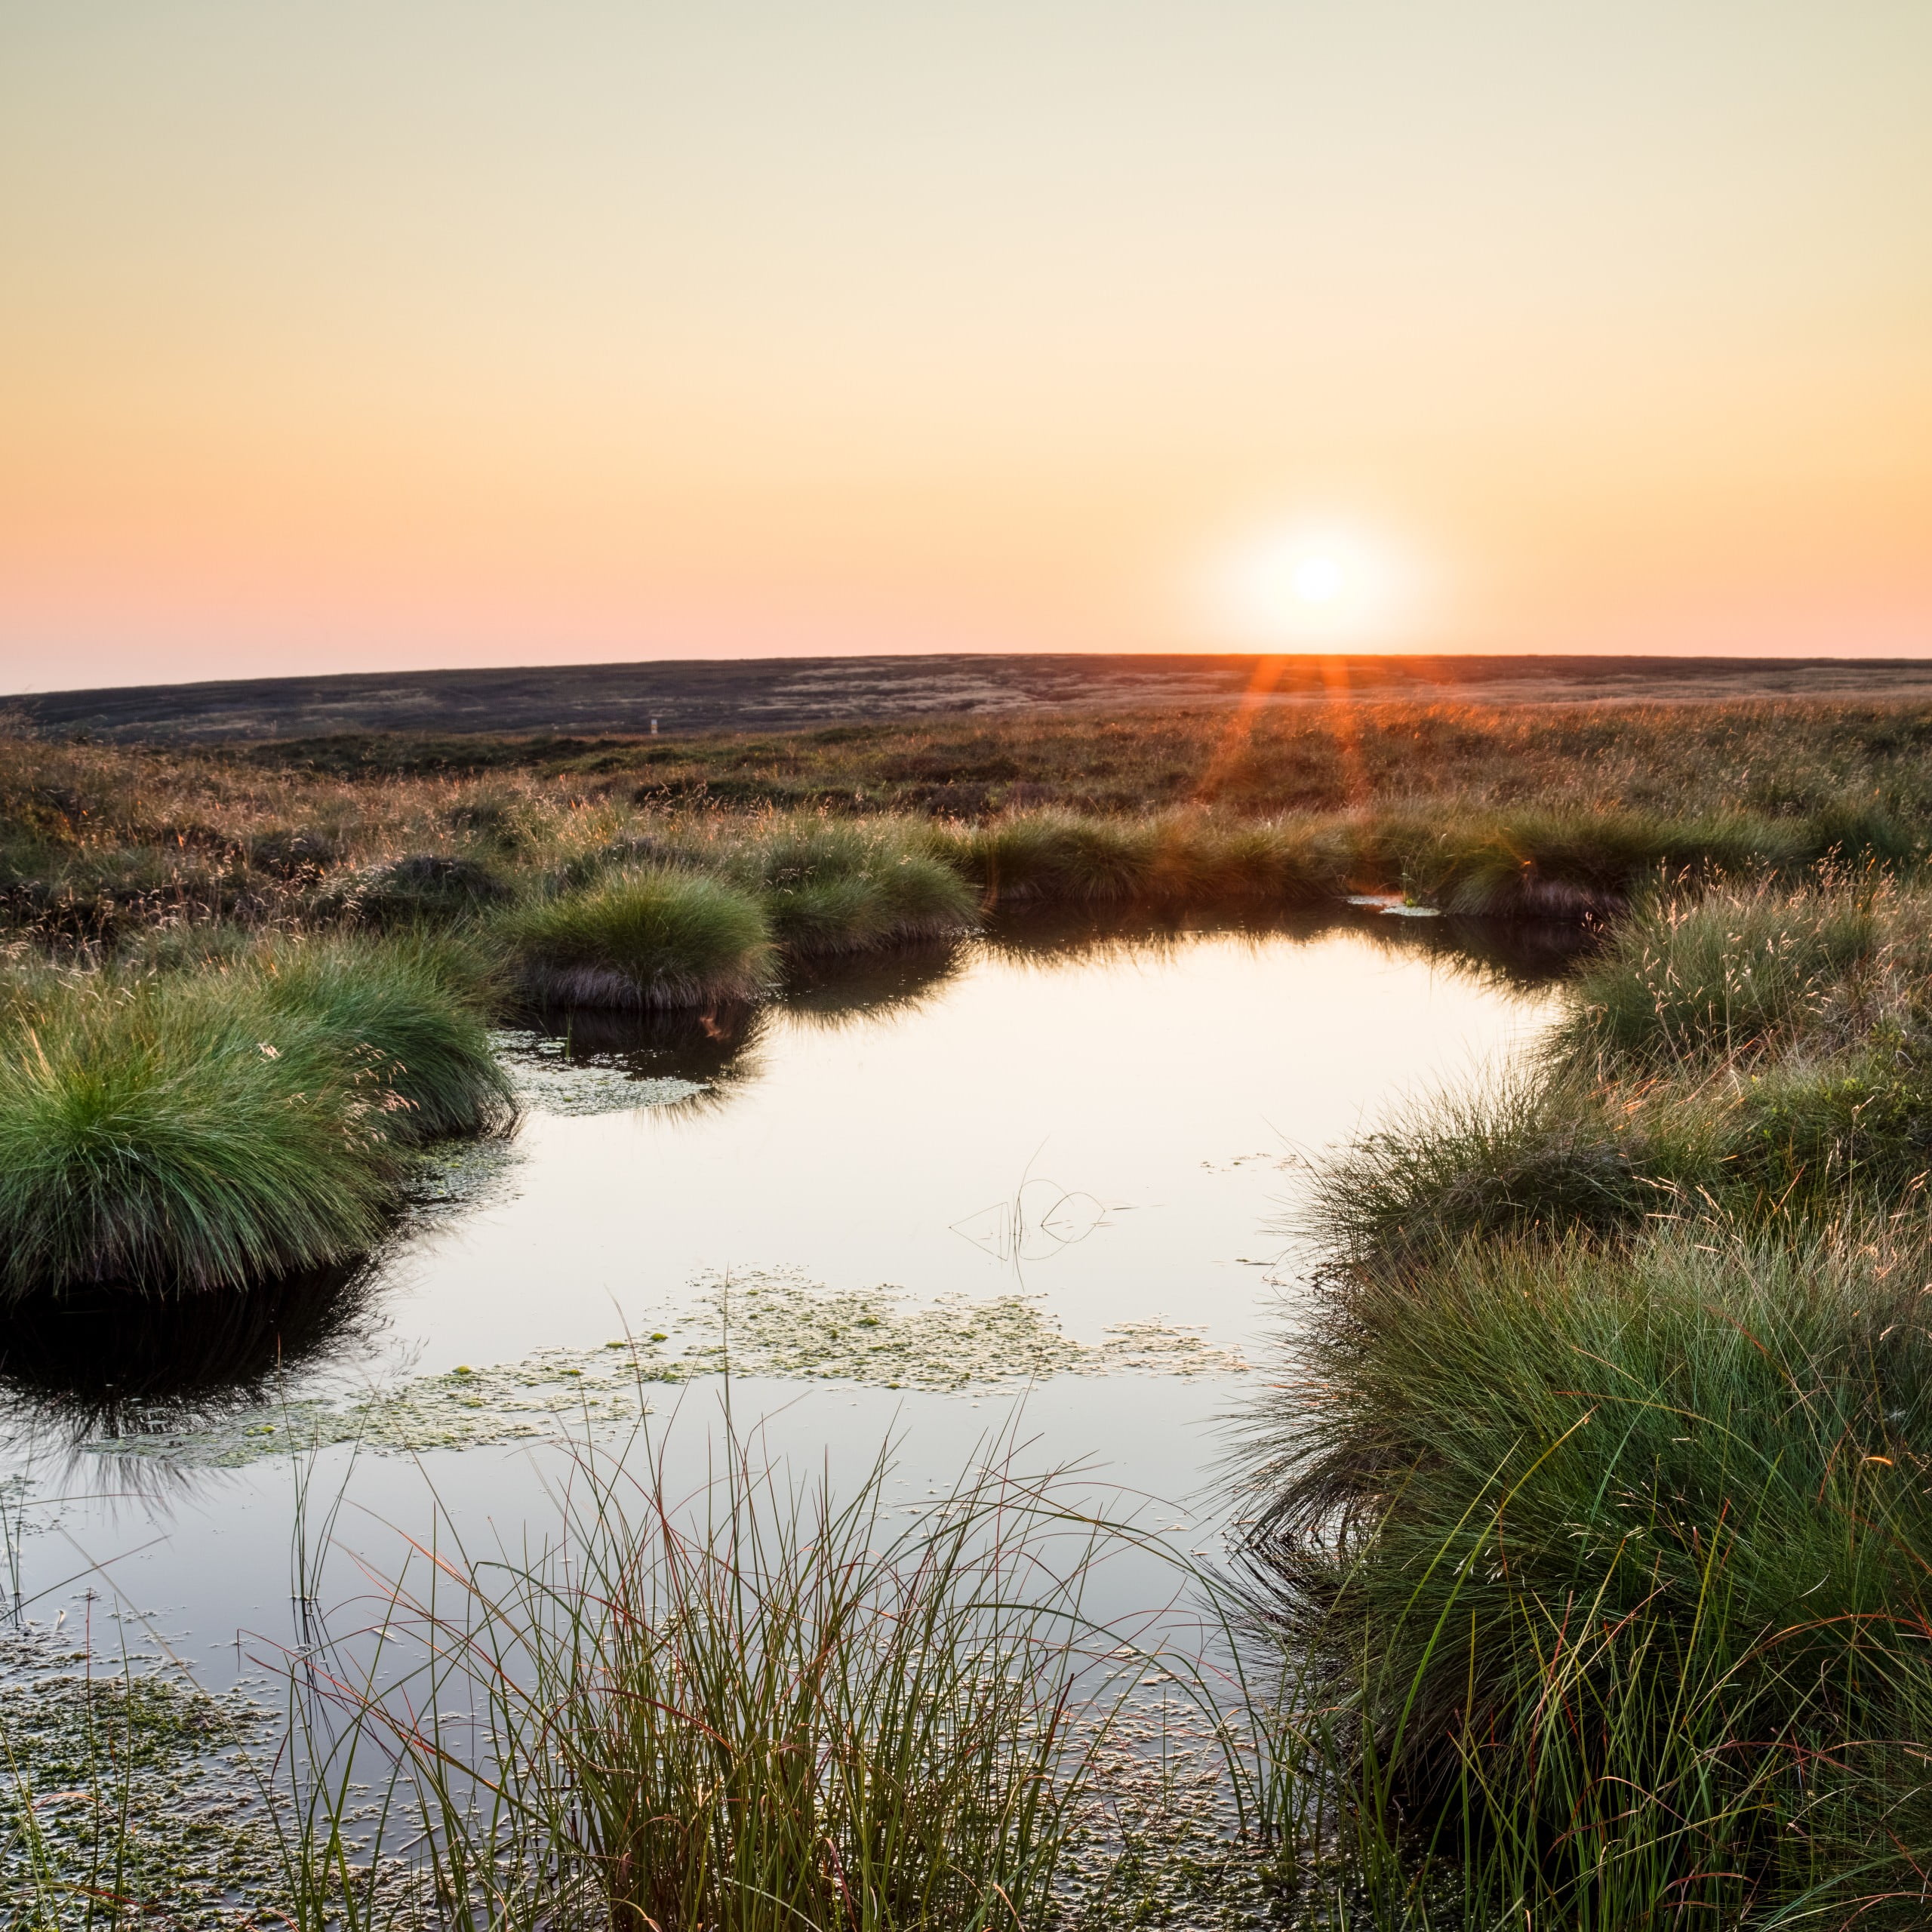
column 1058, row 855
column 830, row 888
column 1177, row 859
column 179, row 1133
column 1763, row 1052
column 1595, row 1518
column 761, row 1708
column 1731, row 972
column 210, row 1127
column 1566, row 862
column 651, row 937
column 1523, row 1154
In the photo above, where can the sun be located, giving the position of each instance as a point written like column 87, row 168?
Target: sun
column 1317, row 579
column 1308, row 585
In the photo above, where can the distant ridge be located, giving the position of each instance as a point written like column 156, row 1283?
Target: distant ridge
column 787, row 693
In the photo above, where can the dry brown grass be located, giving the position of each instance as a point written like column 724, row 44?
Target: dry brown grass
column 1528, row 808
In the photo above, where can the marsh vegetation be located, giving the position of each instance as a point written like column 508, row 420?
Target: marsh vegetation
column 1584, row 1581
column 243, row 984
column 1594, row 1520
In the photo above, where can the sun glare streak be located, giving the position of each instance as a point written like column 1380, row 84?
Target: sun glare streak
column 1335, row 706
column 1231, row 746
column 1343, row 717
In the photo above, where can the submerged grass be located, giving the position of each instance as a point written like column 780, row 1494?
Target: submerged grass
column 127, row 1796
column 766, row 1323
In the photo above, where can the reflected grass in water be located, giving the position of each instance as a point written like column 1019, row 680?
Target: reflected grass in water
column 1515, row 956
column 106, row 1365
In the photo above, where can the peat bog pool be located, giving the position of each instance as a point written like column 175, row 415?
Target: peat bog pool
column 1060, row 1164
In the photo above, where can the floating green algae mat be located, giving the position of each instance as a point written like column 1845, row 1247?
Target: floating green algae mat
column 546, row 1079
column 127, row 1794
column 774, row 1322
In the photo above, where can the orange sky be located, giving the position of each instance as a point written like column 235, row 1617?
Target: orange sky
column 346, row 335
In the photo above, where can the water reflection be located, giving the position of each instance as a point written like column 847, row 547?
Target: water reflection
column 879, row 986
column 1097, row 1110
column 720, row 1048
column 105, row 1364
column 716, row 1048
column 1074, row 1089
column 1514, row 955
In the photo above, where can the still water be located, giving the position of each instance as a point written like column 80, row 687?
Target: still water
column 1105, row 1133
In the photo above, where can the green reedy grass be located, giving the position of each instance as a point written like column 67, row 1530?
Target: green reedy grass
column 1564, row 862
column 1612, row 1567
column 1595, row 1519
column 759, row 1708
column 1054, row 857
column 1732, row 972
column 654, row 937
column 1527, row 1154
column 1762, row 1051
column 1555, row 1153
column 416, row 1003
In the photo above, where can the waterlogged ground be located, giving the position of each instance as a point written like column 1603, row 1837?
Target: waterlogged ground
column 1044, row 1184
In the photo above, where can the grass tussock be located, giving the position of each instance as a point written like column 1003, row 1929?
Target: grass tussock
column 1057, row 858
column 1732, row 974
column 1760, row 1052
column 415, row 1006
column 203, row 1130
column 652, row 938
column 830, row 888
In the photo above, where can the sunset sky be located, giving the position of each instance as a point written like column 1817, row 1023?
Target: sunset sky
column 337, row 337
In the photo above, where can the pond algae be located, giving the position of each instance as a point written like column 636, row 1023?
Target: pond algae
column 771, row 1322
